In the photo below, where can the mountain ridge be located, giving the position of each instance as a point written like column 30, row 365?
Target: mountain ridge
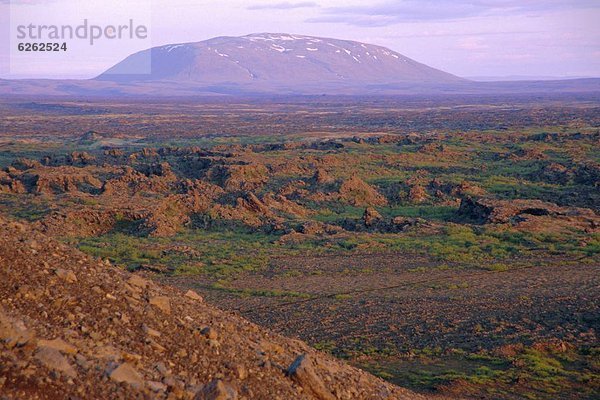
column 275, row 60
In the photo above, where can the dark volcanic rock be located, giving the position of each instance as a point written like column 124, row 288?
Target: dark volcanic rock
column 514, row 211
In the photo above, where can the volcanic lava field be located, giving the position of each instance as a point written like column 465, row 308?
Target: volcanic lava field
column 449, row 245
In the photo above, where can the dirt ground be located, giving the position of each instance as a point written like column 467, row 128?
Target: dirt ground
column 410, row 303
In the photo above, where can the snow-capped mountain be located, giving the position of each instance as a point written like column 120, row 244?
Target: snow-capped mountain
column 273, row 64
column 282, row 61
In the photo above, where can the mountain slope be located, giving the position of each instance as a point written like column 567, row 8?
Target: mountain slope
column 72, row 326
column 276, row 61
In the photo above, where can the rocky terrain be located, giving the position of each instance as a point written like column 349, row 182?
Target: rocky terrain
column 227, row 191
column 74, row 326
column 446, row 247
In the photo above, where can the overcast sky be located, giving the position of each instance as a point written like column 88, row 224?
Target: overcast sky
column 467, row 38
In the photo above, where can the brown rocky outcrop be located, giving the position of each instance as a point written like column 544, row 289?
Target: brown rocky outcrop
column 10, row 185
column 66, row 183
column 165, row 218
column 199, row 195
column 500, row 211
column 159, row 169
column 115, row 153
column 321, row 177
column 284, row 205
column 359, row 193
column 371, row 216
column 248, row 209
column 80, row 158
column 466, row 188
column 23, row 164
column 148, row 152
column 52, row 180
column 253, row 204
column 531, row 214
column 417, row 194
column 246, row 177
column 81, row 222
column 294, row 188
column 128, row 181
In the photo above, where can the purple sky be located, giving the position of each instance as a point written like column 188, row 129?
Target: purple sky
column 468, row 38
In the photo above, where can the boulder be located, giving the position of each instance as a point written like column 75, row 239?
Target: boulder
column 162, row 303
column 216, row 390
column 66, row 275
column 302, row 371
column 127, row 374
column 54, row 360
column 190, row 294
column 138, row 281
column 13, row 332
column 58, row 344
column 209, row 333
